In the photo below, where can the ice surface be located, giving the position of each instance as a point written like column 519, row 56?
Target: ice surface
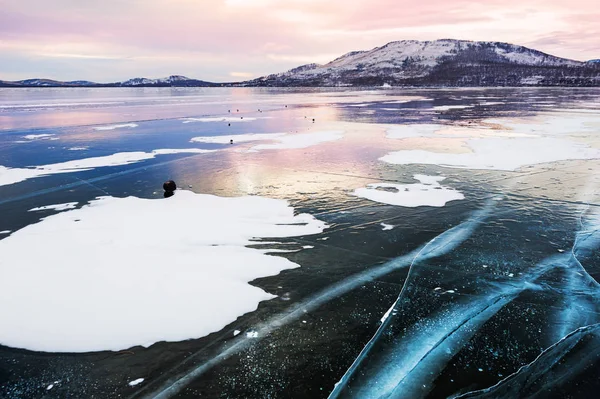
column 136, row 382
column 302, row 140
column 118, row 126
column 56, row 207
column 427, row 193
column 166, row 259
column 237, row 138
column 16, row 175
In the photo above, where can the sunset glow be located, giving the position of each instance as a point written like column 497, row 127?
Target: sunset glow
column 232, row 40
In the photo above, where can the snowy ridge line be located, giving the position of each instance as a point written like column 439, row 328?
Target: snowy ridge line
column 447, row 244
column 573, row 336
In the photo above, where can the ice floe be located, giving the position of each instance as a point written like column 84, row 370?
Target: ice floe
column 451, row 107
column 499, row 154
column 237, row 138
column 16, row 175
column 55, row 207
column 281, row 140
column 118, row 126
column 426, row 193
column 44, row 136
column 386, row 226
column 221, row 119
column 136, row 382
column 122, row 272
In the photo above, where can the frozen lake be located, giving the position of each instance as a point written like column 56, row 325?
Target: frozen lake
column 398, row 243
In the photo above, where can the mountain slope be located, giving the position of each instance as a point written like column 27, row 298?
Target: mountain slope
column 171, row 81
column 441, row 62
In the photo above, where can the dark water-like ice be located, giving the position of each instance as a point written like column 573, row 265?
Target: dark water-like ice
column 491, row 295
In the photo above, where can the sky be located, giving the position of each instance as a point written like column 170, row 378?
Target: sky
column 233, row 40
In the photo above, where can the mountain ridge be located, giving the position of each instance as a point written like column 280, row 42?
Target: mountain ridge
column 443, row 62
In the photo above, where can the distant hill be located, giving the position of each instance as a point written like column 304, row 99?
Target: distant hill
column 444, row 62
column 171, row 81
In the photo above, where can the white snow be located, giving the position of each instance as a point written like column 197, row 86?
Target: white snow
column 427, row 193
column 236, row 333
column 252, row 334
column 49, row 387
column 5, row 231
column 136, row 382
column 78, row 148
column 237, row 138
column 386, row 226
column 302, row 140
column 44, row 136
column 56, row 207
column 450, row 107
column 118, row 126
column 387, row 314
column 122, row 272
column 499, row 154
column 221, row 119
column 16, row 175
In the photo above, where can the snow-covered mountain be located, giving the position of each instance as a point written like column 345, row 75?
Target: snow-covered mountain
column 441, row 62
column 173, row 80
column 445, row 62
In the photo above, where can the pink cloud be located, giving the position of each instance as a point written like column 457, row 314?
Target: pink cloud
column 213, row 39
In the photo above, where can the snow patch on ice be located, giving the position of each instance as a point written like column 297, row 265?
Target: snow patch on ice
column 236, row 333
column 252, row 334
column 136, row 382
column 451, row 107
column 221, row 119
column 45, row 136
column 499, row 154
column 427, row 193
column 56, row 207
column 78, row 148
column 5, row 231
column 386, row 226
column 237, row 138
column 118, row 126
column 117, row 254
